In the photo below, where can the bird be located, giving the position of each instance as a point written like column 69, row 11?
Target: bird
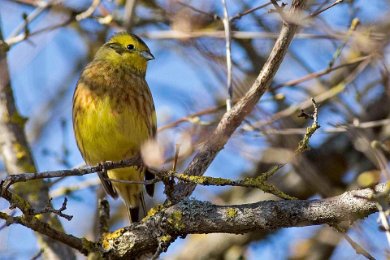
column 114, row 115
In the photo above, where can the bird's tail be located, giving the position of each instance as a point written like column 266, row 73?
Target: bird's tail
column 131, row 194
column 134, row 212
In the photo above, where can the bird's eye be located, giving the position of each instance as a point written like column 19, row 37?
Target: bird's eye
column 130, row 47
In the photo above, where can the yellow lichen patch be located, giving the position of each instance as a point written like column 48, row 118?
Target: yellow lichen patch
column 202, row 179
column 231, row 213
column 153, row 211
column 20, row 151
column 197, row 179
column 16, row 118
column 165, row 239
column 107, row 237
column 176, row 220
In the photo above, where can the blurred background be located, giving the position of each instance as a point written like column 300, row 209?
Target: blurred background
column 339, row 56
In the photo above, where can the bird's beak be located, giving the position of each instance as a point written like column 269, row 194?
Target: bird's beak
column 147, row 55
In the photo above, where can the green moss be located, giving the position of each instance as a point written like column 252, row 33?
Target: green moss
column 231, row 213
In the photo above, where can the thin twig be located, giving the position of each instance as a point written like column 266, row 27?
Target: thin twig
column 195, row 116
column 321, row 72
column 233, row 118
column 43, row 6
column 359, row 125
column 82, row 245
column 128, row 16
column 50, row 209
column 17, row 37
column 197, row 10
column 172, row 34
column 9, row 180
column 304, row 144
column 175, row 159
column 259, row 182
column 341, row 128
column 144, row 182
column 192, row 117
column 22, row 37
column 354, row 24
column 88, row 13
column 325, row 8
column 251, row 10
column 228, row 37
column 381, row 199
column 38, row 255
column 66, row 190
column 384, row 221
column 358, row 248
column 322, row 97
column 104, row 216
column 279, row 10
column 166, row 176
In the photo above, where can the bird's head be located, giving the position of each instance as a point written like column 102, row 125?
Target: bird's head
column 127, row 50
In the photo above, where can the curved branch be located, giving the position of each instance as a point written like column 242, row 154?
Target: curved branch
column 233, row 118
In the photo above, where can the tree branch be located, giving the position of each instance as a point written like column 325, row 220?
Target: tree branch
column 23, row 177
column 233, row 118
column 82, row 245
column 29, row 220
column 178, row 220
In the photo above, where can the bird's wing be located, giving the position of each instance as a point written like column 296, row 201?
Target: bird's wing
column 149, row 187
column 107, row 185
column 153, row 124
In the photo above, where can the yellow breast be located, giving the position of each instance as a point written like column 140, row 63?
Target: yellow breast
column 112, row 117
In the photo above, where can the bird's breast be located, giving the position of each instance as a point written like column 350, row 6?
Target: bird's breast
column 112, row 121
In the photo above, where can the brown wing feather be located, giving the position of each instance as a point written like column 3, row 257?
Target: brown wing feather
column 153, row 131
column 149, row 187
column 107, row 185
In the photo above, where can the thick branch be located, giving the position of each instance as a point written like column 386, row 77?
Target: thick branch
column 178, row 220
column 233, row 118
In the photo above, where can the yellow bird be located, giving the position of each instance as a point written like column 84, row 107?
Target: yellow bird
column 114, row 115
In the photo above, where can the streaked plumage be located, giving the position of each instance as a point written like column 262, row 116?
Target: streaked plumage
column 113, row 113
